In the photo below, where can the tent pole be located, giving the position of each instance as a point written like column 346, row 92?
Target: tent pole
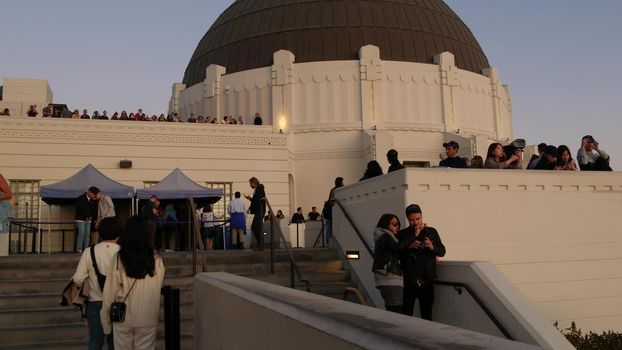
column 49, row 228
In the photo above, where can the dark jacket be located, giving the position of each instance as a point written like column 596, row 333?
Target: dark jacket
column 85, row 208
column 455, row 162
column 395, row 167
column 258, row 203
column 387, row 249
column 298, row 218
column 420, row 263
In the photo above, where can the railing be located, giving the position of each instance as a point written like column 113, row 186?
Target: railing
column 293, row 265
column 356, row 292
column 457, row 285
column 22, row 228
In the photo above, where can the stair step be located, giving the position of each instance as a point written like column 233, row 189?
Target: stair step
column 13, row 337
column 18, row 273
column 187, row 343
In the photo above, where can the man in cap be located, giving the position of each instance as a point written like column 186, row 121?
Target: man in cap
column 452, row 160
column 395, row 163
column 591, row 157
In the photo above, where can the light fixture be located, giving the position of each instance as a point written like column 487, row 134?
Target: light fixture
column 352, row 254
column 282, row 122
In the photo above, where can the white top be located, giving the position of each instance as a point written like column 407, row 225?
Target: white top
column 236, row 206
column 143, row 301
column 104, row 253
column 208, row 217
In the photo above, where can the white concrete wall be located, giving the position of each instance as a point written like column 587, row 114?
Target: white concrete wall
column 234, row 312
column 554, row 234
column 19, row 93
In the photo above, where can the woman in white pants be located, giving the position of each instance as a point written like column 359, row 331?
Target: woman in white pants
column 135, row 277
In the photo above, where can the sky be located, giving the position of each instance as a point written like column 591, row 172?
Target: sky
column 559, row 57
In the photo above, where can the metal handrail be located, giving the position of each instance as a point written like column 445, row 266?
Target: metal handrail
column 197, row 239
column 356, row 292
column 456, row 285
column 294, row 265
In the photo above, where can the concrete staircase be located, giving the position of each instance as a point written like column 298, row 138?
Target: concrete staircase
column 30, row 288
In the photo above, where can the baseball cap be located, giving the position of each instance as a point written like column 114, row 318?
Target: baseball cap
column 453, row 144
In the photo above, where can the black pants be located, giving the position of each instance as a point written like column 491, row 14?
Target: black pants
column 425, row 293
column 256, row 227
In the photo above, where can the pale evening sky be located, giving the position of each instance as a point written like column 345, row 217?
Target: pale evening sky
column 559, row 57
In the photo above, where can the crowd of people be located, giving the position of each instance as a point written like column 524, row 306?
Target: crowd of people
column 63, row 112
column 590, row 157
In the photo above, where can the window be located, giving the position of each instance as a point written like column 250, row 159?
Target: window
column 149, row 184
column 220, row 207
column 26, row 193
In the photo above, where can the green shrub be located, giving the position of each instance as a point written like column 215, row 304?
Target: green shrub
column 592, row 341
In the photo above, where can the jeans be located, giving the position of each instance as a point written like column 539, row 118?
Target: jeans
column 96, row 331
column 84, row 234
column 328, row 229
column 425, row 294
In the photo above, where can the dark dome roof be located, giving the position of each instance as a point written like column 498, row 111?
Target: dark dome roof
column 248, row 32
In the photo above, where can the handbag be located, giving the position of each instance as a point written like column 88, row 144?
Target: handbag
column 117, row 308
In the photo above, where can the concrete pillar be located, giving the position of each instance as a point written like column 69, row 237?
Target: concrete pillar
column 212, row 89
column 371, row 94
column 501, row 130
column 282, row 91
column 173, row 104
column 449, row 79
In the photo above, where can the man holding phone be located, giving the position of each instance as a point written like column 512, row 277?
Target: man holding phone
column 592, row 158
column 419, row 262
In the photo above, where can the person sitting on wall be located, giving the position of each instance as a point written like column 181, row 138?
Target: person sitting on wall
column 298, row 217
column 452, row 160
column 6, row 112
column 564, row 159
column 373, row 169
column 392, row 159
column 591, row 157
column 548, row 160
column 314, row 215
column 418, row 262
column 495, row 158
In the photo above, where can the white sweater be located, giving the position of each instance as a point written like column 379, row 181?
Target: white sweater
column 104, row 252
column 143, row 301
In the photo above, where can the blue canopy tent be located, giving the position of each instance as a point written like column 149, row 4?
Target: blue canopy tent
column 68, row 190
column 177, row 185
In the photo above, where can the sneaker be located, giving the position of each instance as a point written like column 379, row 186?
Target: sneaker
column 79, row 250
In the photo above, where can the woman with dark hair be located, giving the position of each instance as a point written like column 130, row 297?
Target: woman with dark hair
column 135, row 278
column 495, row 158
column 373, row 169
column 387, row 271
column 209, row 229
column 564, row 159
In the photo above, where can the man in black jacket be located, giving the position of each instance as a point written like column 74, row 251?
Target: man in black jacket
column 86, row 211
column 258, row 209
column 419, row 262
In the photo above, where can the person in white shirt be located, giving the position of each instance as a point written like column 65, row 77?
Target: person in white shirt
column 237, row 211
column 591, row 157
column 209, row 230
column 135, row 278
column 109, row 229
